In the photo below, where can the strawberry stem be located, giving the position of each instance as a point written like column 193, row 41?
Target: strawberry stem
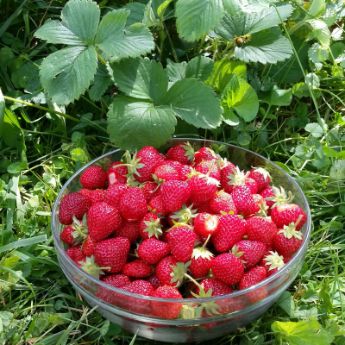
column 193, row 280
column 207, row 240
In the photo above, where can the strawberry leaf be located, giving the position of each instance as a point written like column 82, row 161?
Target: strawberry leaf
column 132, row 123
column 100, row 84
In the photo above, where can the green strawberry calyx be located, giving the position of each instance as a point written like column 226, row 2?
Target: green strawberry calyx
column 79, row 233
column 178, row 272
column 237, row 177
column 280, row 197
column 201, row 252
column 89, row 266
column 211, row 308
column 189, row 151
column 153, row 228
column 263, row 172
column 289, row 231
column 184, row 215
column 274, row 261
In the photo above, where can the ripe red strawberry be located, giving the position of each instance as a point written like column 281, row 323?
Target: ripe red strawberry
column 150, row 226
column 165, row 269
column 129, row 230
column 222, row 203
column 218, row 287
column 268, row 194
column 185, row 171
column 76, row 254
column 273, row 262
column 225, row 174
column 149, row 158
column 67, row 237
column 209, row 168
column 154, row 281
column 238, row 178
column 112, row 253
column 287, row 240
column 117, row 173
column 204, row 153
column 94, row 195
column 203, row 188
column 206, row 224
column 174, row 194
column 93, row 177
column 231, row 229
column 152, row 250
column 140, row 287
column 252, row 277
column 227, row 268
column 116, row 280
column 288, row 213
column 73, row 205
column 137, row 269
column 113, row 194
column 168, row 171
column 261, row 176
column 150, row 190
column 156, row 205
column 133, row 204
column 201, row 262
column 88, row 246
column 181, row 239
column 183, row 153
column 261, row 229
column 102, row 220
column 249, row 252
column 160, row 309
column 244, row 201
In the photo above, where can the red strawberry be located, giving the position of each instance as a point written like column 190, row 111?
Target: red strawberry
column 113, row 194
column 222, row 203
column 88, row 246
column 268, row 194
column 238, row 178
column 150, row 190
column 133, row 204
column 288, row 213
column 149, row 158
column 152, row 250
column 160, row 309
column 174, row 194
column 231, row 229
column 203, row 188
column 67, row 237
column 117, row 173
column 165, row 269
column 112, row 253
column 137, row 269
column 261, row 176
column 76, row 254
column 253, row 276
column 129, row 230
column 150, row 226
column 206, row 224
column 273, row 262
column 249, row 252
column 261, row 229
column 73, row 205
column 116, row 280
column 244, row 201
column 140, row 287
column 102, row 220
column 156, row 205
column 225, row 174
column 154, row 281
column 209, row 168
column 93, row 177
column 183, row 153
column 204, row 153
column 169, row 170
column 218, row 287
column 227, row 268
column 185, row 171
column 201, row 262
column 94, row 195
column 181, row 239
column 287, row 240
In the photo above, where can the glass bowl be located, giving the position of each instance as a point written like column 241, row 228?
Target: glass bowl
column 134, row 312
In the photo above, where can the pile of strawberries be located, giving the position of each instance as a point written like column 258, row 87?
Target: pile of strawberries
column 184, row 224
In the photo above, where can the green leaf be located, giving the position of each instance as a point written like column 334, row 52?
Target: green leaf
column 16, row 167
column 137, row 11
column 242, row 20
column 240, row 96
column 317, row 8
column 176, row 70
column 314, row 129
column 67, row 73
column 2, row 106
column 195, row 103
column 100, row 84
column 25, row 242
column 118, row 41
column 196, row 18
column 141, row 78
column 200, row 67
column 302, row 332
column 223, row 71
column 312, row 80
column 82, row 18
column 10, row 131
column 163, row 7
column 133, row 123
column 230, row 118
column 319, row 31
column 53, row 31
column 279, row 97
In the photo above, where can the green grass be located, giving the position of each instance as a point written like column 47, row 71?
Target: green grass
column 40, row 148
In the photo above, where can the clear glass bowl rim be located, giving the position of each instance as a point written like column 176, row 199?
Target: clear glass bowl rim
column 297, row 256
